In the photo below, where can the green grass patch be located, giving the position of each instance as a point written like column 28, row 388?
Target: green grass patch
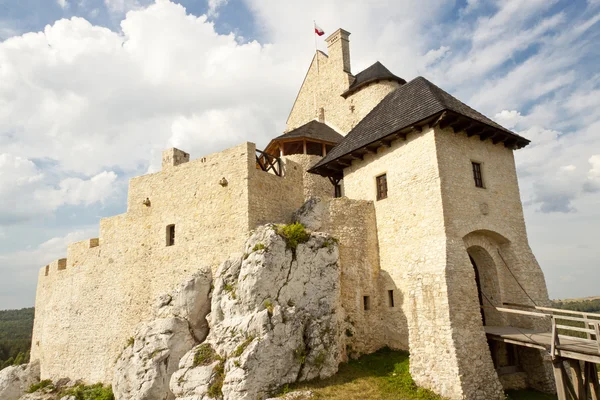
column 383, row 375
column 91, row 392
column 46, row 383
column 258, row 246
column 205, row 355
column 294, row 234
column 216, row 387
column 240, row 349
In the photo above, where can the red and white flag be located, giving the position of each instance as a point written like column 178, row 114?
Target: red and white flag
column 319, row 31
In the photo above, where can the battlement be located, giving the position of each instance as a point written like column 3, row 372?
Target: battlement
column 231, row 188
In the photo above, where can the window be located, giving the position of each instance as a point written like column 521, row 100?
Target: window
column 381, row 182
column 477, row 174
column 47, row 269
column 366, row 303
column 391, row 298
column 170, row 235
column 337, row 193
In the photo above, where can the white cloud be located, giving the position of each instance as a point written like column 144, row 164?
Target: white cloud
column 25, row 191
column 64, row 4
column 508, row 118
column 87, row 100
column 592, row 183
column 213, row 7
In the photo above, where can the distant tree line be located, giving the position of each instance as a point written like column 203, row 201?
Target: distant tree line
column 583, row 305
column 15, row 336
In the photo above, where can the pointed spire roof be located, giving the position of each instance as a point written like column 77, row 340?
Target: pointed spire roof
column 375, row 72
column 410, row 106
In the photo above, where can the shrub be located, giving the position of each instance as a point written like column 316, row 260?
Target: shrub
column 46, row 383
column 205, row 355
column 300, row 354
column 130, row 342
column 294, row 234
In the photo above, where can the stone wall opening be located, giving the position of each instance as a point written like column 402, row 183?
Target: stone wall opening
column 486, row 279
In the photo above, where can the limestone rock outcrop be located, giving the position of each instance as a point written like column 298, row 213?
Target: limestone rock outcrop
column 311, row 213
column 15, row 380
column 275, row 319
column 145, row 367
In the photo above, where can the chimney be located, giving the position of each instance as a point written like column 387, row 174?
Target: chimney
column 338, row 47
column 173, row 157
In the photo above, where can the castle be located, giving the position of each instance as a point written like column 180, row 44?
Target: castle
column 420, row 190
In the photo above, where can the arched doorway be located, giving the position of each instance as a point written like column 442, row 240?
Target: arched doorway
column 486, row 279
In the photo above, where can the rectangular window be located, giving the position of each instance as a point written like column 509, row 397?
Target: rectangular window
column 366, row 303
column 391, row 298
column 477, row 174
column 381, row 182
column 170, row 235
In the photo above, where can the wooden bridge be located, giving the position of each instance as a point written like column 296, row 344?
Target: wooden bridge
column 580, row 353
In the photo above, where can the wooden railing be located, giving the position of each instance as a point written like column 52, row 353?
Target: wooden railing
column 588, row 323
column 267, row 163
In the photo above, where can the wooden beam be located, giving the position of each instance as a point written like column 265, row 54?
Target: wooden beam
column 447, row 121
column 577, row 377
column 400, row 136
column 485, row 134
column 416, row 128
column 475, row 130
column 371, row 149
column 440, row 118
column 561, row 388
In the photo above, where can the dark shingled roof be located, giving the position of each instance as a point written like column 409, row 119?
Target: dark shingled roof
column 408, row 105
column 374, row 73
column 313, row 130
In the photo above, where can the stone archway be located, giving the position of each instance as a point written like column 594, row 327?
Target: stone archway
column 488, row 287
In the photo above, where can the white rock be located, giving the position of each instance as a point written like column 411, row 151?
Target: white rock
column 311, row 213
column 15, row 380
column 144, row 369
column 276, row 319
column 298, row 395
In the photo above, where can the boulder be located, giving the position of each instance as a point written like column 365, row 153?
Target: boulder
column 15, row 380
column 275, row 319
column 144, row 369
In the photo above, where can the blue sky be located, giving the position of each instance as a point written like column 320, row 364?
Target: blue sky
column 91, row 91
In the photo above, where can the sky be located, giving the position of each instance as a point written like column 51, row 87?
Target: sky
column 92, row 91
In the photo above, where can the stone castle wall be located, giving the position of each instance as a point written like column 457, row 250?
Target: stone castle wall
column 322, row 88
column 88, row 304
column 433, row 219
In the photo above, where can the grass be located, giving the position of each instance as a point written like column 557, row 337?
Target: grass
column 294, row 234
column 46, row 383
column 92, row 392
column 240, row 349
column 383, row 375
column 205, row 355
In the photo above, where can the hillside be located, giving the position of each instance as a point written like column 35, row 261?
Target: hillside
column 15, row 336
column 591, row 304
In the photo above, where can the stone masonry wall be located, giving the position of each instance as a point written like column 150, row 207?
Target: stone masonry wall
column 87, row 305
column 488, row 224
column 323, row 87
column 412, row 247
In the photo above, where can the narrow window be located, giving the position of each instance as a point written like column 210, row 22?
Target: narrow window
column 337, row 191
column 170, row 235
column 381, row 182
column 366, row 303
column 477, row 174
column 391, row 298
column 47, row 269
